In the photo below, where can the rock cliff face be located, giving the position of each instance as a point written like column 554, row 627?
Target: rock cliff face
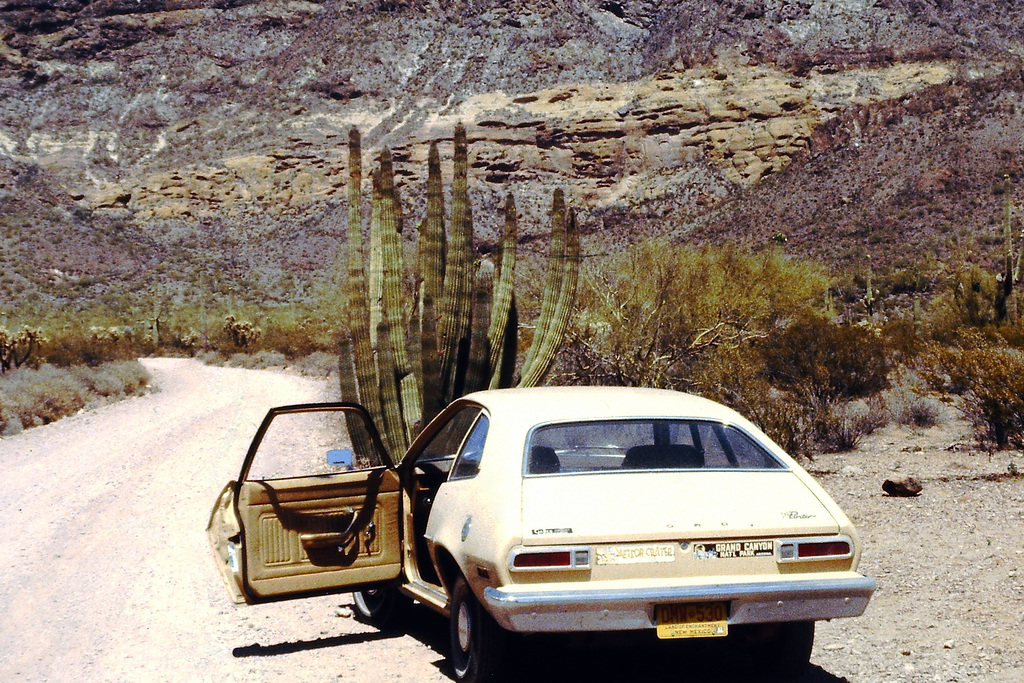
column 211, row 116
column 611, row 143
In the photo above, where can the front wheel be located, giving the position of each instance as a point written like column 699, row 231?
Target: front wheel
column 382, row 607
column 478, row 644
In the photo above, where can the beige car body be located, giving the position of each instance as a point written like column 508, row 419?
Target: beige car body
column 642, row 532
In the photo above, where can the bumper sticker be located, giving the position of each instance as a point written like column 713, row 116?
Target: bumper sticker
column 715, row 551
column 635, row 554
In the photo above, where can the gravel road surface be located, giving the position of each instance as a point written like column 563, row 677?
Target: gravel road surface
column 107, row 575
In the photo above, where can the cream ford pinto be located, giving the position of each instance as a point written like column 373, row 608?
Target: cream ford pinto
column 523, row 511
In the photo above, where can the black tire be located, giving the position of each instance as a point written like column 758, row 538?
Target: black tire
column 787, row 652
column 478, row 644
column 382, row 607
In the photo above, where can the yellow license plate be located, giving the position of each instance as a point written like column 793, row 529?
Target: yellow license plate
column 693, row 620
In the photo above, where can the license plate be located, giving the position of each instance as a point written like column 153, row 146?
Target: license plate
column 693, row 620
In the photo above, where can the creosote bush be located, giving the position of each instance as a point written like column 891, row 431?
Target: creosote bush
column 657, row 314
column 991, row 381
column 827, row 362
column 739, row 327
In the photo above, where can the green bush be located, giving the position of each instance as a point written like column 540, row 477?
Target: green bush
column 91, row 346
column 826, row 362
column 991, row 381
column 655, row 314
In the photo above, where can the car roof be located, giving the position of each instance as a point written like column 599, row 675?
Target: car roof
column 556, row 404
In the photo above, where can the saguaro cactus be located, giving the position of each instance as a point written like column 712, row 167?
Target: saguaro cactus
column 457, row 332
column 1012, row 258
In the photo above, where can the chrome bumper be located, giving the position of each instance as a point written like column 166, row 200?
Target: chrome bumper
column 614, row 609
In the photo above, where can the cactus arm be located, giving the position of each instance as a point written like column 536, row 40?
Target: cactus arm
column 478, row 372
column 430, row 361
column 432, row 245
column 375, row 276
column 388, row 226
column 458, row 278
column 431, row 264
column 395, row 434
column 357, row 307
column 504, row 372
column 552, row 287
column 553, row 328
column 504, row 295
column 350, row 392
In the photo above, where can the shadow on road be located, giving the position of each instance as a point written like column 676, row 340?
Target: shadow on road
column 605, row 657
column 257, row 650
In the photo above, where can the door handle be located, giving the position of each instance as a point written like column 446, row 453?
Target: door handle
column 327, row 539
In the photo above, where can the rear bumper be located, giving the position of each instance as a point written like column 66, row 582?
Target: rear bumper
column 582, row 608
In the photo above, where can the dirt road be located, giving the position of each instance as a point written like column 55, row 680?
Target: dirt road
column 107, row 576
column 106, row 572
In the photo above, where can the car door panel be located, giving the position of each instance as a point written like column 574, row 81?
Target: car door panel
column 337, row 527
column 307, row 535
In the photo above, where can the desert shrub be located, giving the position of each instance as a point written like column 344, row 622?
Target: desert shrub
column 679, row 317
column 966, row 302
column 908, row 403
column 991, row 381
column 734, row 376
column 30, row 397
column 904, row 340
column 653, row 315
column 786, row 420
column 317, row 364
column 211, row 357
column 40, row 396
column 297, row 334
column 10, row 423
column 115, row 379
column 260, row 360
column 839, row 426
column 93, row 345
column 826, row 362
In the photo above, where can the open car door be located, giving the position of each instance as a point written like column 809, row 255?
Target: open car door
column 315, row 509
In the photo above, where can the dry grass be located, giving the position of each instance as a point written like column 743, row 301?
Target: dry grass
column 31, row 397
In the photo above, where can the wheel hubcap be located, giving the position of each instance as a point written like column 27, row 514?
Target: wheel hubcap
column 463, row 626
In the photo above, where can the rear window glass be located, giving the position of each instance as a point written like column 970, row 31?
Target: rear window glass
column 616, row 445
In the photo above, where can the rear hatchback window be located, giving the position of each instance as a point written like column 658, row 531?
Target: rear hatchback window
column 636, row 445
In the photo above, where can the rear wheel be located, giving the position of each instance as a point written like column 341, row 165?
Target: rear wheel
column 784, row 648
column 382, row 607
column 478, row 644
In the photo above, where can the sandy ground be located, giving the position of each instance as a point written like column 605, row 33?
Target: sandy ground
column 107, row 574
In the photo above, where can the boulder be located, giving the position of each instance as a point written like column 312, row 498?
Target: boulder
column 908, row 487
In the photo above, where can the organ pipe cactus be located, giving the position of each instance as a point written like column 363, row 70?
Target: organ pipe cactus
column 405, row 354
column 357, row 348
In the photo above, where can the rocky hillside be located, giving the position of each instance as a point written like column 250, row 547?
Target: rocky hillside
column 170, row 142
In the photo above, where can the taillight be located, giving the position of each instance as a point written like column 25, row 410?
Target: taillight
column 823, row 549
column 796, row 549
column 550, row 558
column 560, row 558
